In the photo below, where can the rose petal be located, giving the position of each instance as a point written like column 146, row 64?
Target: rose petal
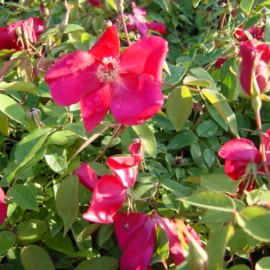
column 108, row 197
column 136, row 235
column 157, row 26
column 72, row 77
column 152, row 51
column 94, row 106
column 235, row 169
column 87, row 176
column 135, row 99
column 238, row 149
column 3, row 206
column 107, row 45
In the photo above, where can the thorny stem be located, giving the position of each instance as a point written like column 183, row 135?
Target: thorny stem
column 121, row 7
column 118, row 130
column 256, row 104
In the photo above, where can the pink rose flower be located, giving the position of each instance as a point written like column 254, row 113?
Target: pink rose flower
column 255, row 32
column 101, row 79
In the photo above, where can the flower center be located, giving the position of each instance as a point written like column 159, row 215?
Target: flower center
column 108, row 70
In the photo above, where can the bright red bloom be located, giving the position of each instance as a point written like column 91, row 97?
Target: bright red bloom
column 3, row 206
column 29, row 29
column 133, row 229
column 138, row 21
column 238, row 154
column 110, row 191
column 255, row 32
column 95, row 3
column 129, row 84
column 254, row 67
column 220, row 61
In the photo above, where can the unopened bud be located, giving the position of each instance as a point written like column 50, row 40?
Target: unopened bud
column 33, row 116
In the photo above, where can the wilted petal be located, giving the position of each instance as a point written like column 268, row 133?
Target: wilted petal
column 238, row 149
column 72, row 77
column 152, row 52
column 3, row 206
column 136, row 235
column 135, row 99
column 108, row 198
column 87, row 176
column 94, row 106
column 107, row 45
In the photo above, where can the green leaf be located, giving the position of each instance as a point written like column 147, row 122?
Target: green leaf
column 216, row 246
column 30, row 149
column 202, row 74
column 149, row 141
column 24, row 195
column 31, row 230
column 104, row 263
column 176, row 188
column 34, row 257
column 222, row 107
column 210, row 200
column 191, row 80
column 59, row 243
column 12, row 109
column 181, row 140
column 240, row 267
column 104, row 234
column 209, row 156
column 62, row 137
column 179, row 107
column 112, row 4
column 99, row 168
column 7, row 240
column 255, row 221
column 177, row 73
column 56, row 158
column 214, row 216
column 207, row 128
column 246, row 6
column 263, row 264
column 162, row 247
column 67, row 201
column 4, row 129
column 267, row 29
column 27, row 87
column 219, row 183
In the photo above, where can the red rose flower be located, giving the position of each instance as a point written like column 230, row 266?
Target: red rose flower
column 95, row 3
column 110, row 191
column 254, row 77
column 133, row 229
column 29, row 29
column 129, row 84
column 255, row 32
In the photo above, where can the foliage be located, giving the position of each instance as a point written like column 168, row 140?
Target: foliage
column 182, row 176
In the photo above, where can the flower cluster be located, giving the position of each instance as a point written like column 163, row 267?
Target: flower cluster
column 18, row 34
column 3, row 206
column 131, row 229
column 243, row 161
column 138, row 22
column 101, row 79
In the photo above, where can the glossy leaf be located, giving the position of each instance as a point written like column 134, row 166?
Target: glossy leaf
column 246, row 5
column 7, row 240
column 149, row 141
column 179, row 107
column 56, row 158
column 191, row 80
column 177, row 73
column 34, row 257
column 24, row 195
column 210, row 200
column 222, row 107
column 4, row 128
column 104, row 263
column 67, row 202
column 181, row 140
column 263, row 264
column 21, row 86
column 217, row 245
column 12, row 109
